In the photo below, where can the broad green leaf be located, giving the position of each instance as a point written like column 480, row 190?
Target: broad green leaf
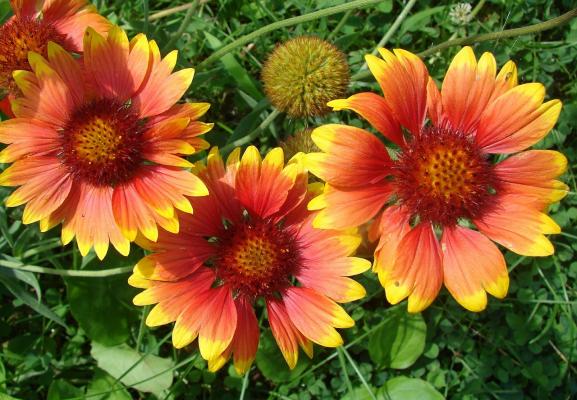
column 103, row 307
column 403, row 388
column 400, row 341
column 62, row 390
column 272, row 364
column 144, row 372
column 19, row 292
column 4, row 396
column 105, row 387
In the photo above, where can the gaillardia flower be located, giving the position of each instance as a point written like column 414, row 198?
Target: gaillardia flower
column 250, row 240
column 301, row 75
column 96, row 145
column 35, row 23
column 444, row 199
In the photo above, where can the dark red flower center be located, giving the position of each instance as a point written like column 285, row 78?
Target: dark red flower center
column 17, row 38
column 102, row 143
column 257, row 258
column 442, row 176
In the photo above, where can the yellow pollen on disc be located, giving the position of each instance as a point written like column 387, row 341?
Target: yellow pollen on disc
column 446, row 172
column 97, row 141
column 255, row 256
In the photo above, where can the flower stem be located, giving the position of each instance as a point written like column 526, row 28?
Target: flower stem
column 283, row 24
column 183, row 25
column 388, row 35
column 525, row 30
column 169, row 11
column 65, row 272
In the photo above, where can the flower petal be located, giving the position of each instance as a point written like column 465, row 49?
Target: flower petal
column 472, row 265
column 347, row 208
column 403, row 77
column 518, row 227
column 287, row 336
column 375, row 110
column 517, row 120
column 316, row 316
column 418, row 270
column 467, row 89
column 245, row 342
column 352, row 157
column 531, row 173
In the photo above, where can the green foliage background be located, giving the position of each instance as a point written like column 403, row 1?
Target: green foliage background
column 74, row 337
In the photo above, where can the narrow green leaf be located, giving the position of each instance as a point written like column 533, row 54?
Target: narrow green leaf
column 12, row 285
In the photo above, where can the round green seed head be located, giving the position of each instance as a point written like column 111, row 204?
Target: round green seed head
column 303, row 74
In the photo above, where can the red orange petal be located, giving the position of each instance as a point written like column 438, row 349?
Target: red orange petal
column 316, row 316
column 417, row 272
column 517, row 119
column 467, row 89
column 532, row 173
column 403, row 78
column 346, row 208
column 519, row 227
column 375, row 110
column 352, row 157
column 472, row 266
column 285, row 333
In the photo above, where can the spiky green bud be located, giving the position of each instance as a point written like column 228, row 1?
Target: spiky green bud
column 303, row 74
column 299, row 142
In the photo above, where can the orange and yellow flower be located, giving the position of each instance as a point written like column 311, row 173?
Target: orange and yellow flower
column 250, row 239
column 440, row 201
column 97, row 144
column 34, row 24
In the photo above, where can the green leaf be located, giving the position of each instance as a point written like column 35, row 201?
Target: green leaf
column 403, row 388
column 272, row 364
column 144, row 372
column 61, row 390
column 19, row 292
column 103, row 307
column 400, row 341
column 235, row 69
column 105, row 387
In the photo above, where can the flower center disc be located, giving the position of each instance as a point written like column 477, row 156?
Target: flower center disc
column 442, row 176
column 257, row 258
column 17, row 38
column 102, row 143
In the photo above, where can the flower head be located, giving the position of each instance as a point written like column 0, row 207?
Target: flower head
column 442, row 200
column 251, row 238
column 97, row 145
column 35, row 24
column 303, row 74
column 300, row 142
column 460, row 13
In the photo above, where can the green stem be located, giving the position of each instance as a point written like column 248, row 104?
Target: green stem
column 389, row 34
column 65, row 272
column 340, row 25
column 244, row 385
column 525, row 30
column 169, row 11
column 351, row 5
column 253, row 135
column 358, row 372
column 141, row 328
column 183, row 25
column 345, row 373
